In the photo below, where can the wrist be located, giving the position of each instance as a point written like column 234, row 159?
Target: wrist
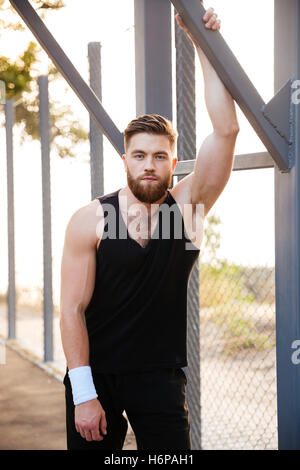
column 85, row 402
column 83, row 388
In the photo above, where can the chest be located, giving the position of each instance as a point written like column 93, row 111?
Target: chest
column 141, row 229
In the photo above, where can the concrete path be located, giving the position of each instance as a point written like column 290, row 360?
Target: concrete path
column 32, row 407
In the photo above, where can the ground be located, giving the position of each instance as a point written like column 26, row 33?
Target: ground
column 32, row 408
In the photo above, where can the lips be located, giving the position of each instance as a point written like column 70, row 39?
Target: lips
column 149, row 178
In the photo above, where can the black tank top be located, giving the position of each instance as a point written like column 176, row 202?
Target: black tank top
column 137, row 316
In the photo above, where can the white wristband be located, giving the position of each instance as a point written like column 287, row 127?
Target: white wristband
column 83, row 388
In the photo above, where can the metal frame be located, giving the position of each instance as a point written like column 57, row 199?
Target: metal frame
column 287, row 231
column 187, row 146
column 96, row 136
column 44, row 128
column 153, row 71
column 212, row 43
column 251, row 161
column 237, row 82
column 11, row 293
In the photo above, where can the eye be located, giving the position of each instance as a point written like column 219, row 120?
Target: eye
column 137, row 156
column 161, row 157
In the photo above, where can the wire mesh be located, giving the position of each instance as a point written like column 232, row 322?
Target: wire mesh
column 186, row 147
column 235, row 369
column 237, row 355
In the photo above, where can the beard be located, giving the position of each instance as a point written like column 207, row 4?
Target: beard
column 148, row 192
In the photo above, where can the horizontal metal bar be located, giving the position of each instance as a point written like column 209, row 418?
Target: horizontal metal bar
column 249, row 161
column 253, row 161
column 70, row 73
column 234, row 79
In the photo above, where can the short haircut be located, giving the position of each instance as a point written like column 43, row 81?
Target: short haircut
column 152, row 124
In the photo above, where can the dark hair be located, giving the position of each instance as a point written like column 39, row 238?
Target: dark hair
column 152, row 124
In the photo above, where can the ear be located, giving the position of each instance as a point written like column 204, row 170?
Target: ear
column 174, row 163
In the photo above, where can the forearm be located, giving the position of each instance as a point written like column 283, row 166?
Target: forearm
column 219, row 103
column 75, row 339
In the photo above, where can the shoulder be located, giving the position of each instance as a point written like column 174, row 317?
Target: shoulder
column 83, row 225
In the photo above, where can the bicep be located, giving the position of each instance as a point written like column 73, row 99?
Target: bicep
column 78, row 268
column 212, row 169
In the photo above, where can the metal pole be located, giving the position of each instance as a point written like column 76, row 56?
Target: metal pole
column 186, row 147
column 96, row 136
column 46, row 188
column 153, row 57
column 287, row 241
column 11, row 295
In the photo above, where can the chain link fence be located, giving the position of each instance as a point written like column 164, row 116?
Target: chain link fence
column 237, row 353
column 238, row 402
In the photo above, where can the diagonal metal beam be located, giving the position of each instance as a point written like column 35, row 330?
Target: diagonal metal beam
column 235, row 79
column 69, row 72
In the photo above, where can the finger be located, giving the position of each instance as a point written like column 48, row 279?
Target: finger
column 81, row 431
column 208, row 13
column 217, row 25
column 211, row 21
column 96, row 434
column 88, row 435
column 103, row 424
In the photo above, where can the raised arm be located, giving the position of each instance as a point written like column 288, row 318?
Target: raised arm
column 214, row 161
column 78, row 268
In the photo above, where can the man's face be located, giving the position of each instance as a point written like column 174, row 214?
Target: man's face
column 149, row 166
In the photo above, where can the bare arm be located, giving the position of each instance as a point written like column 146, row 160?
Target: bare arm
column 214, row 161
column 78, row 269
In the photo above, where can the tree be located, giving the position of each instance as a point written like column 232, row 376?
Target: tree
column 21, row 86
column 14, row 24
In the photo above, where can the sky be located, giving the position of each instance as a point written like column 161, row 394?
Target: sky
column 246, row 206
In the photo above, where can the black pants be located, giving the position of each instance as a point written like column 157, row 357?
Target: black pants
column 154, row 403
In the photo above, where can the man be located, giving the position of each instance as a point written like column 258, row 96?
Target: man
column 124, row 290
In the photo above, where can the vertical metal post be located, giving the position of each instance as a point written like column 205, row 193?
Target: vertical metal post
column 47, row 250
column 186, row 149
column 153, row 57
column 11, row 295
column 96, row 136
column 287, row 232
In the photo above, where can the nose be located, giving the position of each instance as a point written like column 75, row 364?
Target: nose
column 149, row 166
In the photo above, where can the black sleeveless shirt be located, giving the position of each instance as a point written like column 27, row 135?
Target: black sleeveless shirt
column 137, row 316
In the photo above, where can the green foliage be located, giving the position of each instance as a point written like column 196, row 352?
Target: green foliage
column 21, row 86
column 14, row 23
column 218, row 283
column 17, row 75
column 230, row 293
column 239, row 331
